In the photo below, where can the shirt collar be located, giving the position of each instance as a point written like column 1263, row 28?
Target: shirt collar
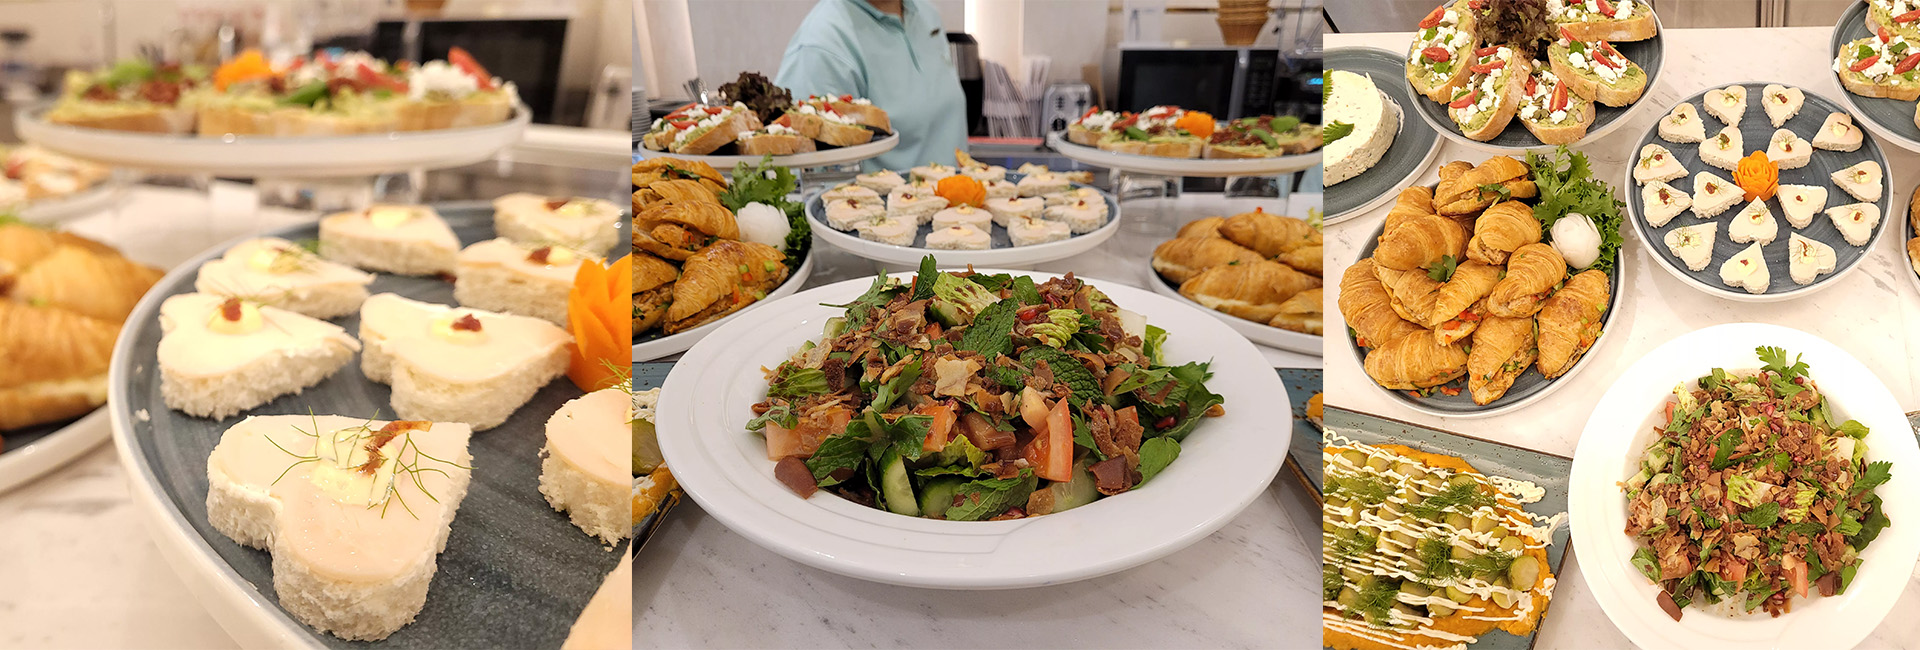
column 906, row 10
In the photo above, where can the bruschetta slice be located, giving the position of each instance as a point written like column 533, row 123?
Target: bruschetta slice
column 1611, row 20
column 1596, row 70
column 1487, row 104
column 1880, row 66
column 1441, row 52
column 1902, row 17
column 1552, row 112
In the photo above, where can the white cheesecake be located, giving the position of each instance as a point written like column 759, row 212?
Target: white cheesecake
column 1354, row 100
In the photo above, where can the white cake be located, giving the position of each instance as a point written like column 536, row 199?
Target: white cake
column 1353, row 99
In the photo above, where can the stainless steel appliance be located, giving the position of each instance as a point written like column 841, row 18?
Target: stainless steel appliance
column 966, row 60
column 1062, row 104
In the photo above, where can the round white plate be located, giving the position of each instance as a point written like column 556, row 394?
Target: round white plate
column 1261, row 333
column 25, row 462
column 1003, row 255
column 1196, row 167
column 297, row 157
column 824, row 157
column 1224, row 465
column 1622, row 425
column 666, row 346
column 78, row 204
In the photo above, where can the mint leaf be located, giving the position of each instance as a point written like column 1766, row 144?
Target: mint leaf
column 1025, row 292
column 1873, row 477
column 1336, row 131
column 1763, row 516
column 987, row 498
column 991, row 333
column 923, row 281
column 1155, row 455
column 841, row 451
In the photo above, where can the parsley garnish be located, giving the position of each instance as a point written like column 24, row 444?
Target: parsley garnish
column 1336, row 131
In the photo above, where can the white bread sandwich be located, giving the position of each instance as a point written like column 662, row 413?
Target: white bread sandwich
column 1879, row 66
column 915, row 202
column 1781, row 103
column 1657, row 164
column 1838, row 133
column 1754, row 223
column 959, row 238
column 1862, row 180
column 774, row 140
column 1353, row 99
column 1855, row 221
column 456, row 364
column 849, row 213
column 1808, row 258
column 1552, row 112
column 1611, row 20
column 1724, row 149
column 607, row 622
column 1080, row 216
column 965, row 215
column 1092, row 196
column 590, row 225
column 985, row 173
column 220, row 356
column 1597, row 71
column 1006, row 210
column 931, row 173
column 1001, row 189
column 1663, row 202
column 354, row 511
column 1441, row 51
column 891, row 229
column 402, row 239
column 280, row 273
column 1713, row 195
column 585, row 466
column 1788, row 150
column 849, row 191
column 1727, row 104
column 882, row 181
column 1693, row 244
column 1682, row 125
column 1030, row 231
column 1801, row 202
column 1042, row 184
column 1747, row 269
column 1483, row 108
column 504, row 276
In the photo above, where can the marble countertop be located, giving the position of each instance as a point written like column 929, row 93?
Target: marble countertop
column 1872, row 314
column 1249, row 585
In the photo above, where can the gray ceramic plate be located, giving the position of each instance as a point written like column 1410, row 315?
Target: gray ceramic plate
column 1890, row 118
column 1649, row 54
column 1548, row 471
column 1302, row 383
column 1755, row 131
column 645, row 376
column 1530, row 386
column 1413, row 147
column 1907, row 234
column 515, row 572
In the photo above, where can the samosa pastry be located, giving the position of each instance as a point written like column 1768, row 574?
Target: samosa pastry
column 1570, row 321
column 1251, row 291
column 1305, row 259
column 1420, row 243
column 1471, row 282
column 1416, row 361
column 1532, row 272
column 1302, row 313
column 1501, row 230
column 1366, row 307
column 1269, row 234
column 1502, row 350
column 1180, row 259
column 1413, row 293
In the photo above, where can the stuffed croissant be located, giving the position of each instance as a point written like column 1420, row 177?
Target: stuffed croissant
column 1460, row 302
column 1502, row 349
column 1420, row 243
column 1416, row 361
column 1365, row 305
column 1570, row 321
column 1502, row 229
column 1532, row 272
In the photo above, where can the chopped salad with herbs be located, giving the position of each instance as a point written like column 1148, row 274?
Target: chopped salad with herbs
column 1752, row 494
column 970, row 397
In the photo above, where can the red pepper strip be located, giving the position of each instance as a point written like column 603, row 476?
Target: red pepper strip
column 1864, row 63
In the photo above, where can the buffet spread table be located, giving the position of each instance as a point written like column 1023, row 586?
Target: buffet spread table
column 1872, row 314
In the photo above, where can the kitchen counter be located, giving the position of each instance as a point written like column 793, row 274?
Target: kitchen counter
column 1873, row 314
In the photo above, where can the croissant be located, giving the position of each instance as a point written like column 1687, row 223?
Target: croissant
column 1461, row 326
column 1252, row 291
column 650, row 272
column 53, row 364
column 1420, row 243
column 1269, row 234
column 1470, row 283
column 652, row 170
column 1302, row 313
column 1913, row 253
column 721, row 279
column 1180, row 259
column 1503, row 228
column 1502, row 350
column 1466, row 193
column 653, row 280
column 1415, row 361
column 1306, row 259
column 684, row 191
column 1532, row 272
column 1412, row 292
column 1570, row 321
column 704, row 217
column 23, row 246
column 100, row 285
column 1201, row 228
column 1413, row 203
column 1367, row 308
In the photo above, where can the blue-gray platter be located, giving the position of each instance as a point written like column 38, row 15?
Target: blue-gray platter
column 1413, row 146
column 1889, row 116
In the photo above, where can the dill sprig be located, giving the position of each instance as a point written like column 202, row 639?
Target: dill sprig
column 407, row 461
column 1464, row 497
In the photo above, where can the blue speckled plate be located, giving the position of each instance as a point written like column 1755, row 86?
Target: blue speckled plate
column 1755, row 131
column 515, row 572
column 645, row 376
column 1649, row 54
column 1414, row 146
column 1888, row 118
column 1549, row 471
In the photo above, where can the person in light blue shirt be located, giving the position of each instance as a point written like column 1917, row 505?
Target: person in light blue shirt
column 894, row 53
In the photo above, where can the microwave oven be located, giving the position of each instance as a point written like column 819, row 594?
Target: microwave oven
column 1225, row 82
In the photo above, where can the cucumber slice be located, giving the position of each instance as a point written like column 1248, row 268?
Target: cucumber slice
column 896, row 487
column 1075, row 493
column 937, row 495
